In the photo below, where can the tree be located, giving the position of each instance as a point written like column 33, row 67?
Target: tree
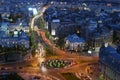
column 47, row 35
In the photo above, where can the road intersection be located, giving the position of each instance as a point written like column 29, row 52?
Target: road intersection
column 78, row 66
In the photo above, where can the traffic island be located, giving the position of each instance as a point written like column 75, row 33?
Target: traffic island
column 57, row 63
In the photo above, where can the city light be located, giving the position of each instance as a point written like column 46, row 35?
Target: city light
column 53, row 32
column 43, row 68
column 89, row 51
column 60, row 39
column 34, row 10
column 15, row 33
column 30, row 9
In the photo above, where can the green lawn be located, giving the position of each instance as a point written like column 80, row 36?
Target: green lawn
column 69, row 76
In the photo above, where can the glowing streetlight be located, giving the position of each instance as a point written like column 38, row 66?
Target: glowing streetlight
column 89, row 51
column 43, row 69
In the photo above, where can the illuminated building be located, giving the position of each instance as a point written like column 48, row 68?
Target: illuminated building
column 18, row 38
column 73, row 42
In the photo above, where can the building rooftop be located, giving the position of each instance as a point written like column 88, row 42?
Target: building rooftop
column 115, row 26
column 74, row 38
column 110, row 57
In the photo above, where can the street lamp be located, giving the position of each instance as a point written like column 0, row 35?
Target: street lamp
column 43, row 69
column 89, row 51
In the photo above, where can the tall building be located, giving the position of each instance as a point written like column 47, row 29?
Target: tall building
column 54, row 26
column 109, row 59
